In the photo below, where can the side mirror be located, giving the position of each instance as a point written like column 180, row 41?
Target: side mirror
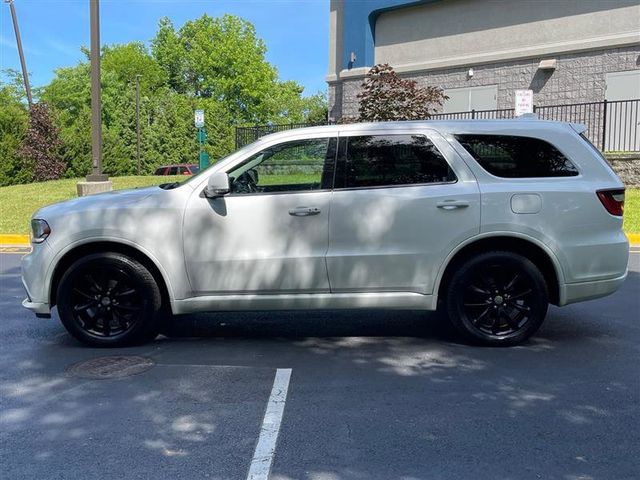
column 217, row 185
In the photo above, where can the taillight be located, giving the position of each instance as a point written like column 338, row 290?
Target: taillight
column 612, row 200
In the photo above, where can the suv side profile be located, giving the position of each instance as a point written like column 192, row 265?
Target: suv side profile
column 491, row 221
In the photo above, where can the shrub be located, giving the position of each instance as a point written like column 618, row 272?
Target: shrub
column 39, row 149
column 385, row 96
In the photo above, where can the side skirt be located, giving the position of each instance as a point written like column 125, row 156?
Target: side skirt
column 388, row 300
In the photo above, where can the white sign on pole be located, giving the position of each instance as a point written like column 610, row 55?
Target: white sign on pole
column 524, row 102
column 199, row 118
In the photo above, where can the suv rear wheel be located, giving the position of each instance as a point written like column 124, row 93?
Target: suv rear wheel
column 497, row 299
column 109, row 300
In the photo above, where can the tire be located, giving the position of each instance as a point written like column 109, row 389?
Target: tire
column 109, row 300
column 497, row 299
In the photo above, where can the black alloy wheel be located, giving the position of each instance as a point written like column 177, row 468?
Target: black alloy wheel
column 109, row 300
column 498, row 298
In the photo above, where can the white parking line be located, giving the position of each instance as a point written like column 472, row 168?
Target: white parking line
column 266, row 446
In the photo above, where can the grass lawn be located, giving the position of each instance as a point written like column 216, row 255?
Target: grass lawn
column 18, row 202
column 632, row 210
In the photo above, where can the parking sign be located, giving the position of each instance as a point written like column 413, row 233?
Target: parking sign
column 199, row 118
column 524, row 102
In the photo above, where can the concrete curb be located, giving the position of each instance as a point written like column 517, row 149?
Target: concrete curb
column 16, row 239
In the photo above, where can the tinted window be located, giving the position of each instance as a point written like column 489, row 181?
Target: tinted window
column 160, row 171
column 290, row 166
column 383, row 160
column 173, row 171
column 517, row 157
column 184, row 171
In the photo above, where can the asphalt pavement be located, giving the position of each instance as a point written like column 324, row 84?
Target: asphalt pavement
column 371, row 395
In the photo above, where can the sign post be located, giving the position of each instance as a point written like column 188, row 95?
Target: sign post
column 524, row 102
column 202, row 138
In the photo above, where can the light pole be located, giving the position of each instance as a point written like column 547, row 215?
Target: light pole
column 23, row 64
column 138, row 120
column 96, row 181
column 96, row 106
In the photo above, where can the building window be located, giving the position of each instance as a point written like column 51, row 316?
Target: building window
column 471, row 98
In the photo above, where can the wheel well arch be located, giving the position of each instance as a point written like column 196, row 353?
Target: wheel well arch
column 521, row 246
column 102, row 247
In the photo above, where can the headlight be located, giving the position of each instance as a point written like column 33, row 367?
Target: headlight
column 40, row 230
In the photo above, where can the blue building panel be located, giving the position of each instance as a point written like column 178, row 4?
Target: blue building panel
column 359, row 27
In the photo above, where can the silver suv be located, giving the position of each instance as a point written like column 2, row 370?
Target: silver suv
column 490, row 220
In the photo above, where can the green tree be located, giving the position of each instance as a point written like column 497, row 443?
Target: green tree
column 222, row 58
column 13, row 125
column 168, row 52
column 217, row 64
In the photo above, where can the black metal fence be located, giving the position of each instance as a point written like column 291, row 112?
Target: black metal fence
column 611, row 125
column 246, row 135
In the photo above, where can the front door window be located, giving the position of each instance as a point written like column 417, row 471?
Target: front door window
column 296, row 166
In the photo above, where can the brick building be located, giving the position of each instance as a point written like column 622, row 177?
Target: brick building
column 481, row 51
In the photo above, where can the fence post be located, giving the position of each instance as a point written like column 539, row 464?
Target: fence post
column 473, row 113
column 604, row 125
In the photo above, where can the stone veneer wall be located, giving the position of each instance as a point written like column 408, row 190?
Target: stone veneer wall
column 627, row 166
column 578, row 78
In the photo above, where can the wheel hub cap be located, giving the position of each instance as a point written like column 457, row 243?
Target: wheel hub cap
column 106, row 301
column 498, row 300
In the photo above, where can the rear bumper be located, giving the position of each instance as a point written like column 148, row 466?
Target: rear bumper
column 580, row 292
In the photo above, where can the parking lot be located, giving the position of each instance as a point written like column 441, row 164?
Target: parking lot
column 371, row 395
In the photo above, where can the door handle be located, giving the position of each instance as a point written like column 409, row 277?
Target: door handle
column 452, row 204
column 304, row 211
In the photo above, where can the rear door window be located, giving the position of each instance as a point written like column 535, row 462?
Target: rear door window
column 517, row 157
column 390, row 160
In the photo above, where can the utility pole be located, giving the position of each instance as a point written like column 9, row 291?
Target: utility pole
column 96, row 181
column 138, row 120
column 23, row 64
column 96, row 105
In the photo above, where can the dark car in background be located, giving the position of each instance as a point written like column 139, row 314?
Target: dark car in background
column 181, row 169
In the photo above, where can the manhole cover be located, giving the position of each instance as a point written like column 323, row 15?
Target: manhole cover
column 111, row 367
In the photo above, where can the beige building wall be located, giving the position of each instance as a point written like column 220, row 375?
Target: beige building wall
column 468, row 32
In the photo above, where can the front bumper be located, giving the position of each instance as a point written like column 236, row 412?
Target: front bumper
column 42, row 310
column 35, row 267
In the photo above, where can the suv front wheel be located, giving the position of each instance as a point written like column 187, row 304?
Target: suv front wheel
column 109, row 300
column 497, row 299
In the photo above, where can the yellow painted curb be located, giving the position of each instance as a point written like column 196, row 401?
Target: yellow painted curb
column 11, row 239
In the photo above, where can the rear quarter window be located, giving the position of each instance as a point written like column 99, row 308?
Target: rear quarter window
column 510, row 156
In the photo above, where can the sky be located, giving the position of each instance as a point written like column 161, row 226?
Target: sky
column 296, row 32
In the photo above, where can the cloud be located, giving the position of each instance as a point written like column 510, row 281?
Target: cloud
column 64, row 48
column 11, row 43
